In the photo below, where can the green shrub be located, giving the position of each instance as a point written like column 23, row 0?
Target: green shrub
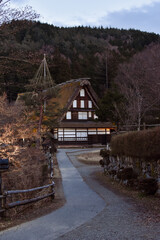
column 104, row 153
column 143, row 144
column 148, row 186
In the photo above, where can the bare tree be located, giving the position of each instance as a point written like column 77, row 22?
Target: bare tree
column 7, row 14
column 138, row 82
column 13, row 121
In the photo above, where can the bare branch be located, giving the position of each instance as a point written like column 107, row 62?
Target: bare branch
column 7, row 14
column 138, row 82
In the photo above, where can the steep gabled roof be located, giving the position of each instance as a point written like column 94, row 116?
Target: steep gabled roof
column 68, row 91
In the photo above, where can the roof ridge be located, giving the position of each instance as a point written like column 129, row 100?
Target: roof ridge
column 73, row 80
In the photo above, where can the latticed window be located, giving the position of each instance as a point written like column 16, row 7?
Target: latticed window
column 82, row 103
column 82, row 115
column 89, row 114
column 74, row 103
column 82, row 92
column 89, row 104
column 68, row 115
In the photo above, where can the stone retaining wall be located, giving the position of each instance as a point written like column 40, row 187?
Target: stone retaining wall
column 134, row 172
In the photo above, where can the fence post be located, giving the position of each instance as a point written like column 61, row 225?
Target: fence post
column 0, row 192
column 53, row 191
column 4, row 166
column 2, row 199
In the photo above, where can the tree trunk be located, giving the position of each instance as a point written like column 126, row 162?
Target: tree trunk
column 139, row 121
column 40, row 125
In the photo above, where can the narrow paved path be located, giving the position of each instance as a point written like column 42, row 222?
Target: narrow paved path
column 82, row 204
column 119, row 220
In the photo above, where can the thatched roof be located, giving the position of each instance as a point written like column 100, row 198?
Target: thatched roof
column 68, row 91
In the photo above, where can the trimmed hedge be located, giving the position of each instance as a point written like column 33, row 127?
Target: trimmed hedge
column 104, row 153
column 143, row 144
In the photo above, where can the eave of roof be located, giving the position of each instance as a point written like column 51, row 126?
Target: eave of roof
column 85, row 124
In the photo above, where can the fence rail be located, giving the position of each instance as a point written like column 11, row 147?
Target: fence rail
column 6, row 194
column 28, row 190
column 18, row 203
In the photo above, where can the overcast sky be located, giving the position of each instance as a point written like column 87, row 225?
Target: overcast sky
column 138, row 14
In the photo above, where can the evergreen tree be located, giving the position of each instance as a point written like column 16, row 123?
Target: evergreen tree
column 111, row 107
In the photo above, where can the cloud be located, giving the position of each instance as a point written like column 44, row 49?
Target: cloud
column 140, row 14
column 19, row 1
column 145, row 19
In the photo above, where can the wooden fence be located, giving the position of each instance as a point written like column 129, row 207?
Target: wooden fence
column 6, row 194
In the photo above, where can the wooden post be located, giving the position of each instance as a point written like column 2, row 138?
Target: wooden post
column 51, row 164
column 4, row 165
column 53, row 191
column 2, row 199
column 0, row 192
column 40, row 125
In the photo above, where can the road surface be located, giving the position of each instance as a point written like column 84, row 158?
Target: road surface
column 91, row 212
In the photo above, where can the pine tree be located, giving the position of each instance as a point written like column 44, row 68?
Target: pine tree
column 111, row 107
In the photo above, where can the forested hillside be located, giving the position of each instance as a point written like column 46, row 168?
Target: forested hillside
column 71, row 53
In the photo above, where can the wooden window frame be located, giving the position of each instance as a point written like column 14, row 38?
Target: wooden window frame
column 82, row 104
column 75, row 104
column 82, row 114
column 82, row 92
column 90, row 104
column 70, row 114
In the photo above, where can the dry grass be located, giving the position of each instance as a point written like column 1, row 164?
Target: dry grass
column 31, row 211
column 90, row 158
column 28, row 166
column 28, row 169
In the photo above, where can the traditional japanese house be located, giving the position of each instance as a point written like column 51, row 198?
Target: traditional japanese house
column 74, row 105
column 78, row 123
